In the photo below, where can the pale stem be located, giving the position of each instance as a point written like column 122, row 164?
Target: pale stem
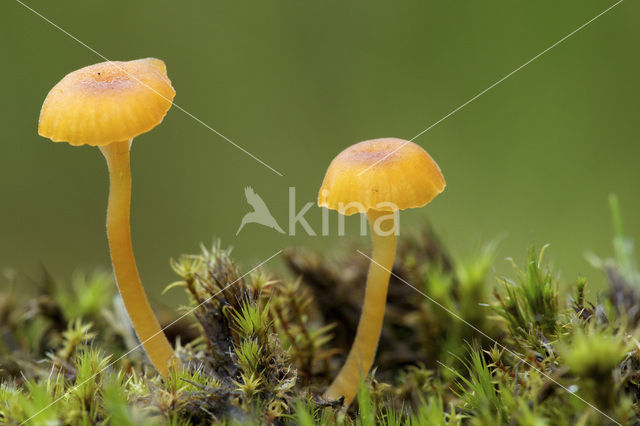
column 135, row 300
column 363, row 351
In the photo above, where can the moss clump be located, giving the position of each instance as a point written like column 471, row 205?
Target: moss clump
column 260, row 349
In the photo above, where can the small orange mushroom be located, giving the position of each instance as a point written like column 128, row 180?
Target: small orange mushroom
column 378, row 178
column 107, row 105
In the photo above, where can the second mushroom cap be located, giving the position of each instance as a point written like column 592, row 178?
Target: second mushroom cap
column 383, row 174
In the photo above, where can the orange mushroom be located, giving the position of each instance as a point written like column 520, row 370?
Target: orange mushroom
column 107, row 105
column 378, row 178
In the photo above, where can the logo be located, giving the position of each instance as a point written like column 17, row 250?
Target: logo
column 261, row 215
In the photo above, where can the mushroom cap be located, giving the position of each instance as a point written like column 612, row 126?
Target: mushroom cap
column 382, row 174
column 107, row 102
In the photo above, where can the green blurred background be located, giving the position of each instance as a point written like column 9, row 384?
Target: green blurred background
column 295, row 82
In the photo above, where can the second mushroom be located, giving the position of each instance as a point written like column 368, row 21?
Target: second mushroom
column 378, row 178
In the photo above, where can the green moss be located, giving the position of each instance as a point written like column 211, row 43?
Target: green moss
column 260, row 349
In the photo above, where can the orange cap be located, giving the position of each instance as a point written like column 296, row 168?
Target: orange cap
column 381, row 174
column 107, row 102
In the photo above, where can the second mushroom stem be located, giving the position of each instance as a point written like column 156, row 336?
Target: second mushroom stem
column 135, row 300
column 360, row 358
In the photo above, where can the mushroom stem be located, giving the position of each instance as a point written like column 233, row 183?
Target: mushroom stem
column 363, row 351
column 135, row 300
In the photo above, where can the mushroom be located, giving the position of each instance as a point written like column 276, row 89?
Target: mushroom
column 107, row 105
column 377, row 177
